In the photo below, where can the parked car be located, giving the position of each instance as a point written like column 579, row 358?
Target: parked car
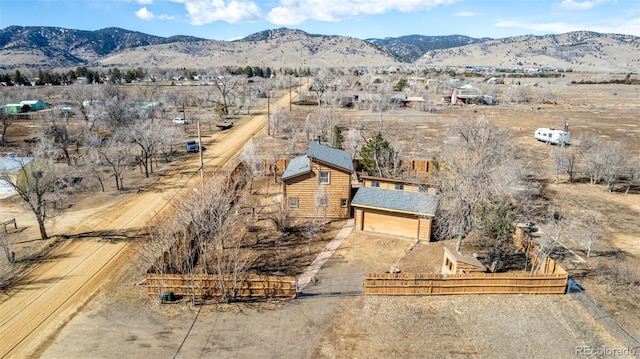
column 180, row 121
column 192, row 146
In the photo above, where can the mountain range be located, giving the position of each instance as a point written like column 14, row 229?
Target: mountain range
column 53, row 47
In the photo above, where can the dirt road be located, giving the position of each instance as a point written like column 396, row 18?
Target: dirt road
column 53, row 291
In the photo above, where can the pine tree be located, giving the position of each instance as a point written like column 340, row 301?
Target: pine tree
column 336, row 137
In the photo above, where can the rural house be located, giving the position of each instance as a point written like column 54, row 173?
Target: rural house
column 319, row 183
column 12, row 108
column 11, row 171
column 34, row 105
column 394, row 207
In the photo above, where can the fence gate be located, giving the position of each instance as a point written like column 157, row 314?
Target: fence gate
column 331, row 285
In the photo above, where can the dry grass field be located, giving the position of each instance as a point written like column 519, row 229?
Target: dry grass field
column 122, row 321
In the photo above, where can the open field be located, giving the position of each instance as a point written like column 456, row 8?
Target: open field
column 120, row 320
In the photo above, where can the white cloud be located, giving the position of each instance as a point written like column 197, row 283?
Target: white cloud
column 465, row 13
column 145, row 2
column 207, row 11
column 145, row 14
column 573, row 5
column 294, row 12
column 630, row 27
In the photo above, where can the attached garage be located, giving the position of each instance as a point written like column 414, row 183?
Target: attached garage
column 398, row 213
column 397, row 224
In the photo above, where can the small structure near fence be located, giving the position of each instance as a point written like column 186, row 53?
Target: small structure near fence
column 209, row 285
column 456, row 263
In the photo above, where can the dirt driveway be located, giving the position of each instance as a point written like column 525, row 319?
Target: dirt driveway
column 52, row 292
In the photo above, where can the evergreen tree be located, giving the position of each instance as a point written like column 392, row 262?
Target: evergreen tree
column 336, row 137
column 377, row 155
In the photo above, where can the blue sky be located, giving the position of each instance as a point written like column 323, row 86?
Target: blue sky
column 233, row 19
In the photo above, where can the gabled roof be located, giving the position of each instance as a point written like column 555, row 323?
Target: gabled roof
column 297, row 166
column 10, row 165
column 396, row 201
column 330, row 155
column 467, row 259
column 323, row 153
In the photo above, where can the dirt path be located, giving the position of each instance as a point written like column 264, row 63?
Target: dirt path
column 53, row 291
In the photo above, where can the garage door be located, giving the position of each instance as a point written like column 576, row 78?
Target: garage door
column 390, row 223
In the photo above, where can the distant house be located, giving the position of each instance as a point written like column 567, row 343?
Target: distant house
column 468, row 94
column 35, row 105
column 12, row 108
column 11, row 173
column 394, row 207
column 319, row 183
column 145, row 108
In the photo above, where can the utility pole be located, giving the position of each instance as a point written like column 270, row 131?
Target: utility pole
column 201, row 159
column 268, row 114
column 289, row 92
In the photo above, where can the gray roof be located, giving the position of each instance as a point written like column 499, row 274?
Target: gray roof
column 297, row 166
column 10, row 165
column 330, row 155
column 394, row 200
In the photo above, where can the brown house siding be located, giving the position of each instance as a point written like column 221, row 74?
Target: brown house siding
column 307, row 188
column 424, row 231
column 407, row 187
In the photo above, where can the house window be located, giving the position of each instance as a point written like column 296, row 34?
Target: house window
column 344, row 202
column 324, row 177
column 322, row 201
column 423, row 188
column 375, row 184
column 399, row 186
column 293, row 202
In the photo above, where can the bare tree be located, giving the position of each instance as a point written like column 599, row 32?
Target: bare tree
column 632, row 172
column 605, row 162
column 117, row 155
column 6, row 120
column 38, row 183
column 278, row 118
column 354, row 140
column 116, row 109
column 226, row 84
column 148, row 136
column 477, row 167
column 215, row 223
column 556, row 228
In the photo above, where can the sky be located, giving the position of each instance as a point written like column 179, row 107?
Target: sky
column 235, row 19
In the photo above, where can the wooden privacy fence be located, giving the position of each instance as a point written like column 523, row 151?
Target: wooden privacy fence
column 471, row 283
column 208, row 285
column 544, row 264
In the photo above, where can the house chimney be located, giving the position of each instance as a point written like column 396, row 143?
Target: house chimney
column 319, row 137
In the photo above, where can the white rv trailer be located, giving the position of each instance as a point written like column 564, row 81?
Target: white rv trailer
column 553, row 136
